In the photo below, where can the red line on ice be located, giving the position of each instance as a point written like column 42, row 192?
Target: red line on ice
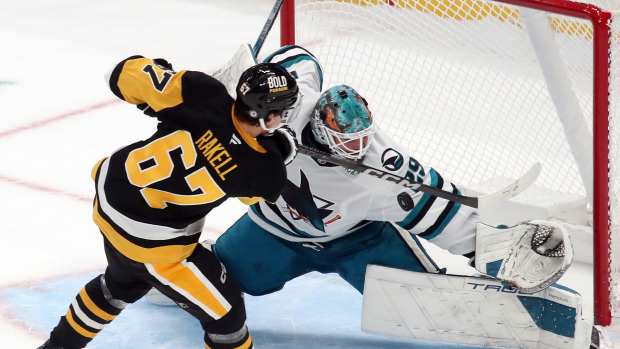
column 55, row 118
column 43, row 188
column 43, row 123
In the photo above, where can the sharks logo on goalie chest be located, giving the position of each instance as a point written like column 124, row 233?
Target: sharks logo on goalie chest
column 302, row 204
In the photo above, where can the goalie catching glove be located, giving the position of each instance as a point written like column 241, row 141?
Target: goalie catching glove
column 285, row 142
column 529, row 256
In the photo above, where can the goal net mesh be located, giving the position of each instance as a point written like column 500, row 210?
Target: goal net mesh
column 459, row 84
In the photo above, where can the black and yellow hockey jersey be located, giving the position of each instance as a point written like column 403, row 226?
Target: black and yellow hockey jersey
column 153, row 195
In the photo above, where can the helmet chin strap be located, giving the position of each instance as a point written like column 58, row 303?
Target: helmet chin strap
column 262, row 124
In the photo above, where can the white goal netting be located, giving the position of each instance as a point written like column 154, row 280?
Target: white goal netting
column 480, row 90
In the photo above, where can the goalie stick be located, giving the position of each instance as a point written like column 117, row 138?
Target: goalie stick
column 483, row 201
column 480, row 202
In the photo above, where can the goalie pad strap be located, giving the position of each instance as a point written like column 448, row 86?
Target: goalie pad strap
column 417, row 249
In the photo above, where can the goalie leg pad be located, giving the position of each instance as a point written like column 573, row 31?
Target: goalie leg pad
column 471, row 310
column 530, row 256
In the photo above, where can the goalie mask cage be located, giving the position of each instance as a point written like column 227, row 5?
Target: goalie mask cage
column 481, row 90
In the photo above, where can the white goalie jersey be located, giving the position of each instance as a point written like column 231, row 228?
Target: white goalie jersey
column 323, row 202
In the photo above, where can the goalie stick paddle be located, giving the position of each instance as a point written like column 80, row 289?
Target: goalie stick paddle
column 483, row 201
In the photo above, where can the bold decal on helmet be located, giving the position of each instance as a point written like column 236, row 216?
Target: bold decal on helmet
column 277, row 83
column 265, row 88
column 391, row 159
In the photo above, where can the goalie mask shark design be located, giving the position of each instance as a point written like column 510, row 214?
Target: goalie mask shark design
column 343, row 122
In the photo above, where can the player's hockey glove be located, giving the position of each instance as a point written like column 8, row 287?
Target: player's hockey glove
column 163, row 64
column 285, row 141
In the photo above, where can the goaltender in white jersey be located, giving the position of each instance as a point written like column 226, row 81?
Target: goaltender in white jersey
column 332, row 220
column 324, row 202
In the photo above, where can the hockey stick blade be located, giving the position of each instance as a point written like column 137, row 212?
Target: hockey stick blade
column 486, row 200
column 512, row 190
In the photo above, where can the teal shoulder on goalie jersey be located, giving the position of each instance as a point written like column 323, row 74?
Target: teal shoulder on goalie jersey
column 423, row 206
column 290, row 55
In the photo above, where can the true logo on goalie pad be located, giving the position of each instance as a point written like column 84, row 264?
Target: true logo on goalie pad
column 494, row 287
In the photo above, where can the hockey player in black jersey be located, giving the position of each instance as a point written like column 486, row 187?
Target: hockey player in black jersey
column 152, row 196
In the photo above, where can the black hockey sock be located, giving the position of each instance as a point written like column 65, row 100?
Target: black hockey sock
column 238, row 339
column 89, row 312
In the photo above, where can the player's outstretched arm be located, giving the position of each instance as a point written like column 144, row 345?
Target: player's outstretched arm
column 140, row 80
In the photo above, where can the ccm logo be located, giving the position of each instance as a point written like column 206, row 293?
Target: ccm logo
column 276, row 81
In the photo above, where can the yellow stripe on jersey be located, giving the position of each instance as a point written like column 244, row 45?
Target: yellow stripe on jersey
column 251, row 141
column 250, row 200
column 183, row 280
column 94, row 308
column 162, row 254
column 246, row 344
column 77, row 328
column 143, row 81
column 93, row 172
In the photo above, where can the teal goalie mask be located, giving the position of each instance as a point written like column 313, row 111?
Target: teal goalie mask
column 342, row 121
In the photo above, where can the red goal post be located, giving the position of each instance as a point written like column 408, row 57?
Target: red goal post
column 401, row 25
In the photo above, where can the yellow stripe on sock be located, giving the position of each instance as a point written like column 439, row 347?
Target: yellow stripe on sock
column 94, row 308
column 246, row 344
column 77, row 328
column 181, row 278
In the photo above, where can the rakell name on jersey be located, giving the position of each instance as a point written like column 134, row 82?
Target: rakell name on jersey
column 219, row 158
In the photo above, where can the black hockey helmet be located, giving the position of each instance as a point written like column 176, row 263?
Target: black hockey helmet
column 265, row 88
